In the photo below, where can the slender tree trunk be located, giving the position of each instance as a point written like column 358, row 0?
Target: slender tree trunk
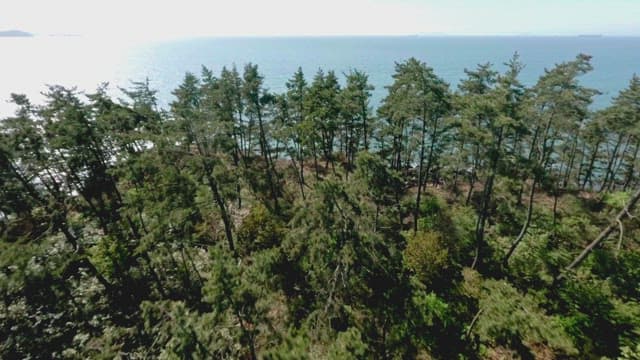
column 610, row 163
column 556, row 195
column 537, row 178
column 213, row 185
column 416, row 210
column 315, row 159
column 185, row 269
column 532, row 147
column 302, row 183
column 236, row 164
column 84, row 262
column 249, row 136
column 581, row 165
column 154, row 274
column 434, row 132
column 398, row 153
column 364, row 126
column 457, row 168
column 350, row 151
column 271, row 174
column 482, row 219
column 299, row 175
column 592, row 161
column 631, row 166
column 618, row 164
column 572, row 156
column 486, row 199
column 195, row 268
column 472, row 182
column 525, row 226
column 474, row 172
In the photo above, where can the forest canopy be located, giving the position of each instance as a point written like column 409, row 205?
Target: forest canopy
column 491, row 220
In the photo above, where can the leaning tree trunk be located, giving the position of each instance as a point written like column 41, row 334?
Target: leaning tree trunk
column 525, row 226
column 618, row 165
column 226, row 220
column 607, row 173
column 614, row 225
column 537, row 178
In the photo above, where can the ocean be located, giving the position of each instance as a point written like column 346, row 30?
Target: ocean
column 28, row 64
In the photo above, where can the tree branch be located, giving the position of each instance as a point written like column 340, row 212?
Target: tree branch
column 603, row 235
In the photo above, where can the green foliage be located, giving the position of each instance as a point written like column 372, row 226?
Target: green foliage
column 626, row 275
column 176, row 331
column 243, row 223
column 432, row 214
column 292, row 347
column 110, row 257
column 532, row 263
column 426, row 255
column 617, row 200
column 259, row 230
column 512, row 319
column 629, row 353
column 348, row 345
column 590, row 309
column 464, row 222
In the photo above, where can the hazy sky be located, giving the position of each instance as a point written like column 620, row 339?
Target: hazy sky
column 162, row 19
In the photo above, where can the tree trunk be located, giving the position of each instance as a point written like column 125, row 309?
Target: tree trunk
column 556, row 195
column 364, row 125
column 572, row 157
column 581, row 165
column 472, row 176
column 486, row 200
column 416, row 210
column 532, row 147
column 631, row 167
column 213, row 185
column 299, row 174
column 434, row 132
column 613, row 226
column 592, row 161
column 236, row 163
column 315, row 159
column 617, row 166
column 271, row 173
column 610, row 164
column 525, row 226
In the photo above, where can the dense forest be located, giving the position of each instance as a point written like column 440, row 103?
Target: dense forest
column 492, row 220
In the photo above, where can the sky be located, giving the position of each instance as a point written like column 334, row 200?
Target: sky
column 154, row 19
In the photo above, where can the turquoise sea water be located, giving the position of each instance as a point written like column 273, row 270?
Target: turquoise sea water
column 29, row 63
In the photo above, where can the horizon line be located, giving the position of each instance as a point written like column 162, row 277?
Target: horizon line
column 303, row 35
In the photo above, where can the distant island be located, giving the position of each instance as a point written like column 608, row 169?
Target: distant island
column 15, row 33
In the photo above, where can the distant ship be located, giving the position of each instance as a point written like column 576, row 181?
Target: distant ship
column 591, row 35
